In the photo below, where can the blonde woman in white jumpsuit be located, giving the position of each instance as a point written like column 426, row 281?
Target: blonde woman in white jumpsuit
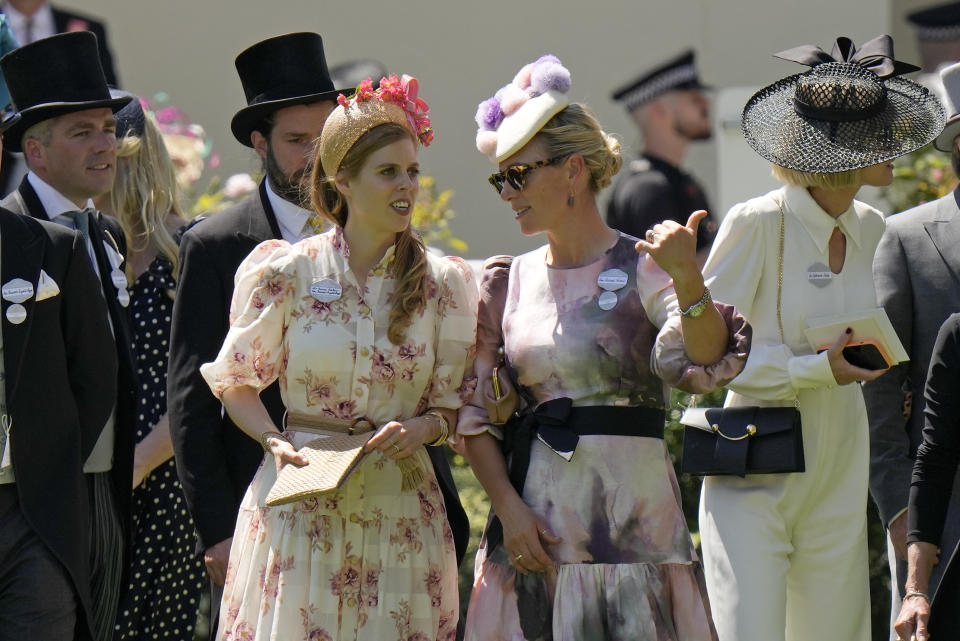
column 786, row 554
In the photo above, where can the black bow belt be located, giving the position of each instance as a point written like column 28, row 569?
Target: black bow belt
column 559, row 426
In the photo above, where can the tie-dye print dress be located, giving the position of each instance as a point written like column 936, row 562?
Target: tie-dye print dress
column 626, row 568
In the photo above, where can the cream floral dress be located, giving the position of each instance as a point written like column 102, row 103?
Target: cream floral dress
column 367, row 561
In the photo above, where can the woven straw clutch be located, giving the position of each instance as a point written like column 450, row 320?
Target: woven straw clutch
column 332, row 459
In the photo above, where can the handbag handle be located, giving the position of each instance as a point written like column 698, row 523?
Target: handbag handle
column 751, row 430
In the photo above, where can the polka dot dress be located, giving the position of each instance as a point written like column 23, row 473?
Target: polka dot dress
column 166, row 575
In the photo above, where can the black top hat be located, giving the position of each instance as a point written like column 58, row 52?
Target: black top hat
column 937, row 23
column 52, row 77
column 851, row 110
column 280, row 72
column 677, row 73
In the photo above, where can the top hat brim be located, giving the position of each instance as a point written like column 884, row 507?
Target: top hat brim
column 248, row 119
column 944, row 141
column 30, row 116
column 911, row 118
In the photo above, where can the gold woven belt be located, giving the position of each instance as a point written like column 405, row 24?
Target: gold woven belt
column 323, row 424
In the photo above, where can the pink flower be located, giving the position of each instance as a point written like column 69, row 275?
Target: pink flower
column 76, row 24
column 365, row 90
column 342, row 101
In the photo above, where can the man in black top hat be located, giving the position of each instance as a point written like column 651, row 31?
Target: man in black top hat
column 670, row 109
column 938, row 34
column 65, row 128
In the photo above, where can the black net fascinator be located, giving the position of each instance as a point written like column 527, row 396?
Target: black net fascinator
column 851, row 110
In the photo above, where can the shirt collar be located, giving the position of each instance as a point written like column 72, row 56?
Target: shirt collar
column 54, row 203
column 818, row 223
column 43, row 24
column 290, row 217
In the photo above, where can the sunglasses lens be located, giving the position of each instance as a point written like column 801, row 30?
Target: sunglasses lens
column 497, row 181
column 515, row 176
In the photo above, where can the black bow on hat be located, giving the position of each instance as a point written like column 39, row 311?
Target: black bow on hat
column 875, row 55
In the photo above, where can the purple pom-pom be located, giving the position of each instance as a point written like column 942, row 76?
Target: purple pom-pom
column 548, row 58
column 549, row 75
column 489, row 114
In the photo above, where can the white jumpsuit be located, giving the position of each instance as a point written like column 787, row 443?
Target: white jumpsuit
column 786, row 554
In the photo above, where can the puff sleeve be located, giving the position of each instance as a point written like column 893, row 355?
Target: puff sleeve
column 453, row 379
column 253, row 348
column 473, row 418
column 669, row 359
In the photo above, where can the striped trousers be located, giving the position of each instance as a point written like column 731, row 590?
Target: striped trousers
column 106, row 556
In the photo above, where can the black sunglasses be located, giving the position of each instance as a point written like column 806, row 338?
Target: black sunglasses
column 516, row 175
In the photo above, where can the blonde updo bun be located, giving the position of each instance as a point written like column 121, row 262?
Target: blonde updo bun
column 576, row 130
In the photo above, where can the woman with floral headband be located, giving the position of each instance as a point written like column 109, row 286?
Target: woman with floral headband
column 588, row 538
column 360, row 324
column 786, row 554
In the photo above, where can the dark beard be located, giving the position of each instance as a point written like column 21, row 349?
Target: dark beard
column 694, row 134
column 287, row 187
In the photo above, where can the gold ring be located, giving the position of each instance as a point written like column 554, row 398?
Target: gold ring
column 518, row 557
column 396, row 449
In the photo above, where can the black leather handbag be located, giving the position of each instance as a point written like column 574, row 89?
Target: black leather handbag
column 745, row 440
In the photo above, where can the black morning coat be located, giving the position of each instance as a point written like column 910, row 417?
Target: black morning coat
column 106, row 230
column 215, row 460
column 60, row 369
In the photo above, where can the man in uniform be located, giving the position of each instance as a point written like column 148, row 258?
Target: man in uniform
column 670, row 109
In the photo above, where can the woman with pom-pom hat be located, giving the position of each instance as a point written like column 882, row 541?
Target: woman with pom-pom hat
column 587, row 538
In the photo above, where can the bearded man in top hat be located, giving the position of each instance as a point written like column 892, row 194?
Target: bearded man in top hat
column 64, row 125
column 669, row 107
column 916, row 270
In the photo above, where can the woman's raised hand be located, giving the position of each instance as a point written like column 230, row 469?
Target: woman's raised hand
column 674, row 246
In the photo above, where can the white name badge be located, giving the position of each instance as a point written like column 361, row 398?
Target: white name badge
column 16, row 313
column 118, row 278
column 819, row 275
column 17, row 290
column 326, row 290
column 123, row 296
column 612, row 279
column 607, row 301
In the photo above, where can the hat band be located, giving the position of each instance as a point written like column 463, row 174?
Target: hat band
column 832, row 114
column 288, row 92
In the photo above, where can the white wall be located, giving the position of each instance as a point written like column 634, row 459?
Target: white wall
column 462, row 52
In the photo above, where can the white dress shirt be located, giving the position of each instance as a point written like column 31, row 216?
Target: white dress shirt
column 55, row 205
column 41, row 23
column 291, row 218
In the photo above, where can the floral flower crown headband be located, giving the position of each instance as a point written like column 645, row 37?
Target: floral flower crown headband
column 396, row 101
column 520, row 109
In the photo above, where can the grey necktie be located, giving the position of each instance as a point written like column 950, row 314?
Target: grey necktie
column 81, row 220
column 28, row 31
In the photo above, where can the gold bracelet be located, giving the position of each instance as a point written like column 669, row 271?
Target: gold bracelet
column 272, row 433
column 913, row 593
column 444, row 428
